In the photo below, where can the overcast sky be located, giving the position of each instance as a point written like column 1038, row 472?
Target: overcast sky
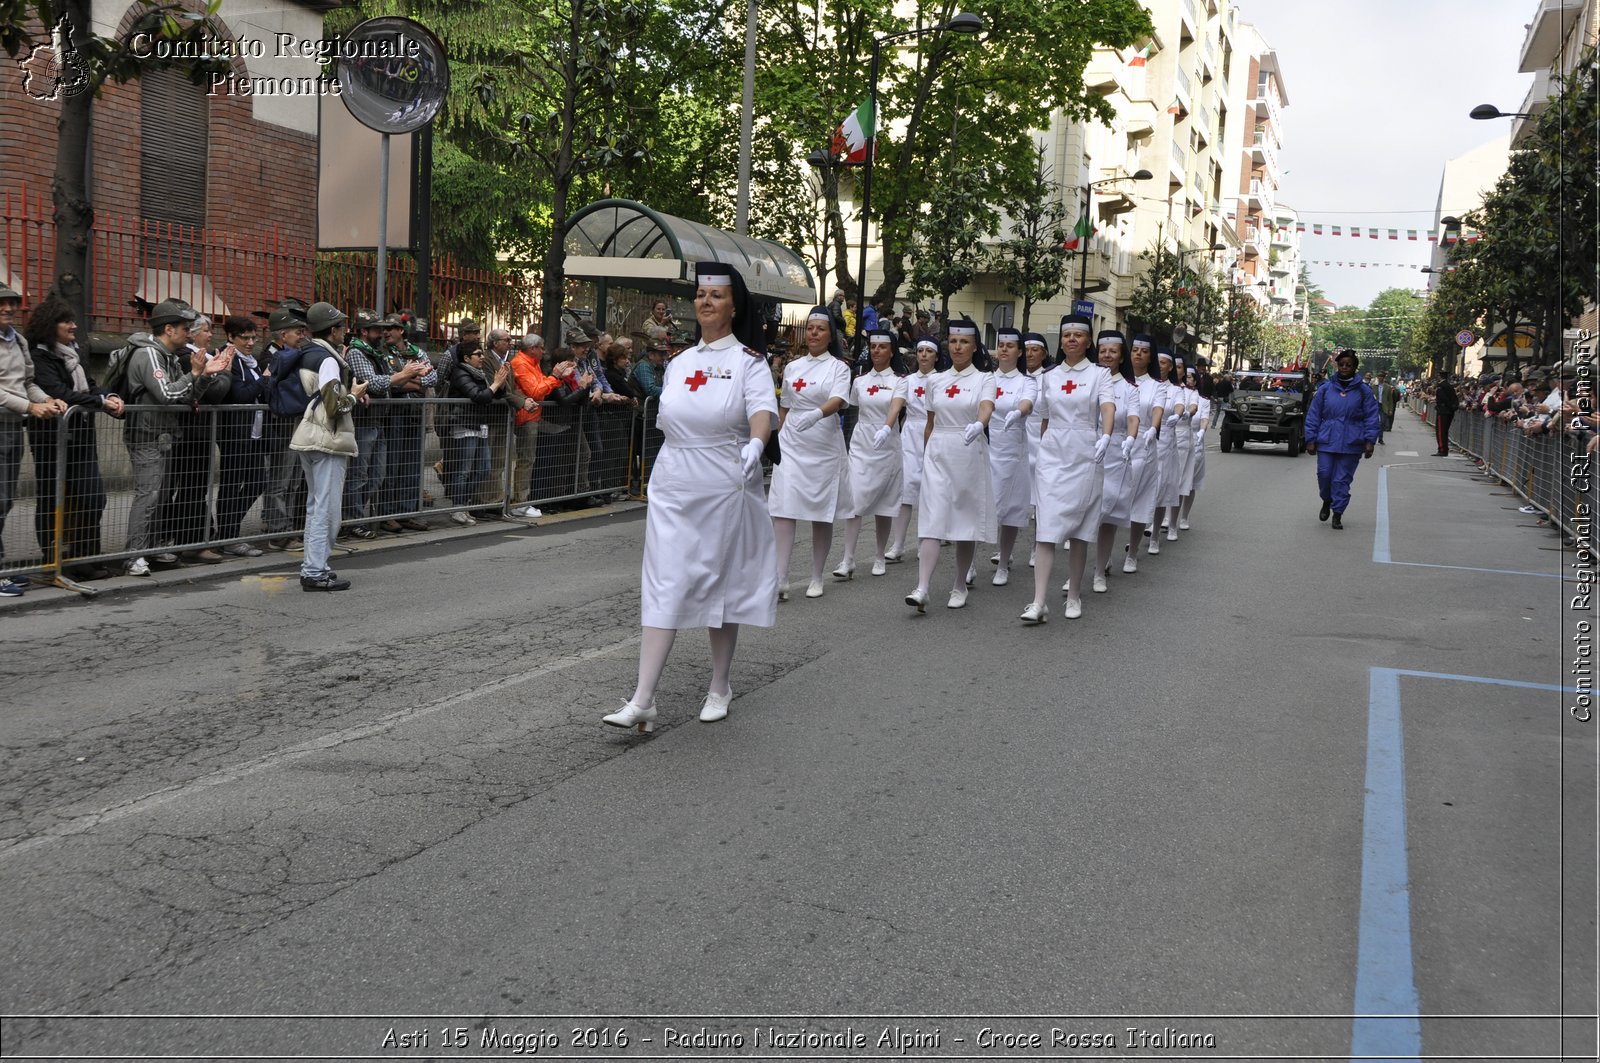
column 1379, row 92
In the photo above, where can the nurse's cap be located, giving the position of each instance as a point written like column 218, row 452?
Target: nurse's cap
column 1033, row 339
column 716, row 274
column 881, row 336
column 1164, row 354
column 1076, row 321
column 1001, row 335
column 1143, row 338
column 1111, row 335
column 931, row 344
column 963, row 327
column 820, row 313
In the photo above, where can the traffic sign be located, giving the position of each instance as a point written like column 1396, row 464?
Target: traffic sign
column 1084, row 307
column 1465, row 338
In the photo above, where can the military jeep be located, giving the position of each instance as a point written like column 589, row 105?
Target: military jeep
column 1266, row 408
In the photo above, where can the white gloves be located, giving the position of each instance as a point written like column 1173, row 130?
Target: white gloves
column 1012, row 418
column 881, row 436
column 805, row 419
column 971, row 432
column 1146, row 435
column 1199, row 437
column 1100, row 447
column 1127, row 447
column 750, row 458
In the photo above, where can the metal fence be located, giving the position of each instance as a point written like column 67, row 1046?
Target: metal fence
column 180, row 484
column 1549, row 470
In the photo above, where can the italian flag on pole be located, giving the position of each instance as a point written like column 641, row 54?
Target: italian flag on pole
column 856, row 132
column 1080, row 232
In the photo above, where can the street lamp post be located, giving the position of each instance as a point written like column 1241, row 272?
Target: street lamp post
column 964, row 23
column 1088, row 203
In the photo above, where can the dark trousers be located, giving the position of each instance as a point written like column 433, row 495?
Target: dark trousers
column 283, row 508
column 402, row 475
column 182, row 517
column 241, row 479
column 85, row 495
column 10, row 467
column 1444, row 417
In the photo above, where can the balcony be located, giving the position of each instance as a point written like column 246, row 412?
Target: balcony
column 1282, row 233
column 1280, row 263
column 1550, row 25
column 1188, row 22
column 1107, row 73
column 1264, row 155
column 1141, row 118
column 1266, row 106
column 1178, row 164
column 1204, row 124
column 1537, row 100
column 1261, row 197
column 1250, row 247
column 1184, row 91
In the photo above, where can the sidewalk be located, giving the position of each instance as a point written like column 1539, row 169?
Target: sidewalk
column 42, row 593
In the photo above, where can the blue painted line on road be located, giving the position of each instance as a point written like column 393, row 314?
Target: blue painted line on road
column 1380, row 542
column 1386, row 1005
column 1387, row 1026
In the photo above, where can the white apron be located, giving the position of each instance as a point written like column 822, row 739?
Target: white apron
column 911, row 444
column 875, row 472
column 1069, row 480
column 1186, row 398
column 957, row 495
column 1167, row 447
column 1146, row 461
column 709, row 554
column 812, row 481
column 1116, row 493
column 1009, row 463
column 1199, row 447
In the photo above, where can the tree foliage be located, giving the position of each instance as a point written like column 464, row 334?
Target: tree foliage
column 948, row 245
column 1033, row 260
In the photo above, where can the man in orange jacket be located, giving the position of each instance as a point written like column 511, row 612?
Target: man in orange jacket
column 528, row 371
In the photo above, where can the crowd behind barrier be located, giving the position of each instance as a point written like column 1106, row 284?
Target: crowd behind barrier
column 1552, row 469
column 231, row 486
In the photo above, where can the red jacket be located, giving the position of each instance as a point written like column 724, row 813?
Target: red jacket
column 533, row 382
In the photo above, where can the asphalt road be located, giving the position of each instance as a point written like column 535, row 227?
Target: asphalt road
column 235, row 798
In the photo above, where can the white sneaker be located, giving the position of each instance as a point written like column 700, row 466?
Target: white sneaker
column 631, row 715
column 527, row 511
column 1129, row 564
column 462, row 518
column 138, row 567
column 1155, row 544
column 893, row 557
column 783, row 592
column 1172, row 535
column 879, row 567
column 1099, row 585
column 972, row 574
column 1166, row 522
column 1074, row 609
column 994, row 560
column 1035, row 613
column 1183, row 523
column 1002, row 576
column 846, row 569
column 1031, row 552
column 958, row 598
column 1066, row 588
column 815, row 590
column 716, row 706
column 919, row 599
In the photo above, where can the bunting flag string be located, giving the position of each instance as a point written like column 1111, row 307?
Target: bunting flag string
column 1372, row 265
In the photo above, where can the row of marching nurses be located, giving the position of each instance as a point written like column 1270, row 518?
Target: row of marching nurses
column 1091, row 445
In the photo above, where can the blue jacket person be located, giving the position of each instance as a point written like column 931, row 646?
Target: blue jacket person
column 1341, row 428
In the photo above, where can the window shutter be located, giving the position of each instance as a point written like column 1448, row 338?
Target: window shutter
column 172, row 153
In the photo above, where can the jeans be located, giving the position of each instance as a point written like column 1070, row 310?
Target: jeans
column 466, row 462
column 364, row 480
column 402, row 477
column 324, row 493
column 10, row 467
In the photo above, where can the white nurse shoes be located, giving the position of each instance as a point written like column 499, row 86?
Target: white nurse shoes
column 1066, row 588
column 919, row 599
column 1172, row 535
column 1183, row 523
column 879, row 567
column 716, row 706
column 1100, row 586
column 846, row 569
column 1002, row 576
column 994, row 559
column 972, row 574
column 631, row 715
column 1155, row 544
column 1035, row 613
column 815, row 590
column 958, row 598
column 1031, row 552
column 893, row 557
column 783, row 592
column 1129, row 564
column 1073, row 608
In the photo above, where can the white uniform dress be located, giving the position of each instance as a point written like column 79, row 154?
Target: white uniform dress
column 1069, row 480
column 1031, row 424
column 875, row 472
column 1009, row 461
column 1146, row 463
column 1116, row 495
column 1186, row 398
column 1199, row 447
column 710, row 557
column 957, row 494
column 812, row 481
column 911, row 444
column 1167, row 448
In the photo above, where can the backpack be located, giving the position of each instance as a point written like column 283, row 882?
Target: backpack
column 285, row 394
column 115, row 382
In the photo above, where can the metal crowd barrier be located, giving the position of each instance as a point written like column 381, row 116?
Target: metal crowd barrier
column 1550, row 470
column 102, row 490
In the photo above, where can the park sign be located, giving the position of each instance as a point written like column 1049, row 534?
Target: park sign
column 1465, row 338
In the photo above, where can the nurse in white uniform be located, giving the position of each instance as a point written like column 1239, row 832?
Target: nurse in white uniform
column 1036, row 355
column 912, row 443
column 709, row 558
column 1184, row 410
column 1009, row 464
column 957, row 495
column 812, row 483
column 1198, row 420
column 1146, row 460
column 875, row 456
column 1116, row 495
column 1167, row 497
column 1074, row 408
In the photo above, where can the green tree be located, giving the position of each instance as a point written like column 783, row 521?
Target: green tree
column 1032, row 261
column 948, row 244
column 1154, row 306
column 1392, row 316
column 74, row 73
